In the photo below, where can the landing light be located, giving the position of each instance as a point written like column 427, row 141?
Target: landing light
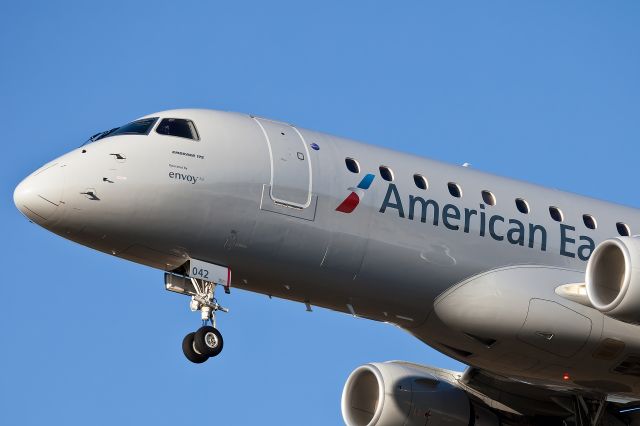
column 566, row 376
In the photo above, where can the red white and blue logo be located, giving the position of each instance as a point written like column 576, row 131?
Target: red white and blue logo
column 351, row 202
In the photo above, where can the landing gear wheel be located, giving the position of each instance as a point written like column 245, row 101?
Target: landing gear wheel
column 190, row 352
column 208, row 341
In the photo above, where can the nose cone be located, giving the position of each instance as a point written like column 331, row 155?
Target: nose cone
column 39, row 196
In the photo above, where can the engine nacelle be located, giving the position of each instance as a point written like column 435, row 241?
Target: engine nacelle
column 613, row 278
column 393, row 393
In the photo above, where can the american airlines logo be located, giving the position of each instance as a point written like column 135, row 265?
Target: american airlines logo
column 482, row 222
column 351, row 202
column 479, row 221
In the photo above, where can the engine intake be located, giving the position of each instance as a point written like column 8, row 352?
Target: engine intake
column 613, row 278
column 394, row 393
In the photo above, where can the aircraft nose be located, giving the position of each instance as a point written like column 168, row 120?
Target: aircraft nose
column 39, row 196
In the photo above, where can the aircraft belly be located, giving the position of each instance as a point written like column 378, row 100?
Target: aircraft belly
column 511, row 322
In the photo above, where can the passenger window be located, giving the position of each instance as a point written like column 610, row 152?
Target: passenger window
column 352, row 165
column 589, row 221
column 522, row 206
column 454, row 189
column 623, row 229
column 556, row 214
column 386, row 173
column 489, row 198
column 420, row 181
column 178, row 127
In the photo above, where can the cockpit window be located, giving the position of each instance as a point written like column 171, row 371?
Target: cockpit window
column 178, row 127
column 138, row 127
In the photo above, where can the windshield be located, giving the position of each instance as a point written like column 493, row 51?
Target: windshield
column 138, row 127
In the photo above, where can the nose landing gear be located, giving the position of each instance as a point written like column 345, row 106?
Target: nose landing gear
column 206, row 342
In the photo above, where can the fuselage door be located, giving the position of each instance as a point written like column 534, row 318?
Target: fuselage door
column 290, row 165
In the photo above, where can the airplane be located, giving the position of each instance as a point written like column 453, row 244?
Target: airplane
column 536, row 290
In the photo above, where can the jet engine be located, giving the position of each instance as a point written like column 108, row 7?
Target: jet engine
column 397, row 393
column 613, row 278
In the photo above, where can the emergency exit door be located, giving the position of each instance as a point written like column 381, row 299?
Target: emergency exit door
column 290, row 165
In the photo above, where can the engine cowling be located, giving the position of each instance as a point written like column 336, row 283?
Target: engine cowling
column 393, row 393
column 613, row 278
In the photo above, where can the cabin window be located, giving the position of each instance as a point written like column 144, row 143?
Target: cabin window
column 386, row 173
column 352, row 165
column 178, row 127
column 556, row 214
column 454, row 189
column 623, row 229
column 420, row 181
column 488, row 198
column 522, row 206
column 589, row 221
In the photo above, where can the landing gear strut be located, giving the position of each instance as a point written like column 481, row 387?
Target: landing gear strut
column 588, row 412
column 206, row 342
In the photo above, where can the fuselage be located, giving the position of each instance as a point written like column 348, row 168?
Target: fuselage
column 264, row 198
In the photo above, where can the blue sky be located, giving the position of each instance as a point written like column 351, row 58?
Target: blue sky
column 543, row 91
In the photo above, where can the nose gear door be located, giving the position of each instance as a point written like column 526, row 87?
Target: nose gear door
column 290, row 165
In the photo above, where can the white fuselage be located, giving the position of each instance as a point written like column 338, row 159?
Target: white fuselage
column 261, row 197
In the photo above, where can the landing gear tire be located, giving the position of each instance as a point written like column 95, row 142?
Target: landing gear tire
column 190, row 352
column 208, row 341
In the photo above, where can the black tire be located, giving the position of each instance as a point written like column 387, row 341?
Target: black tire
column 208, row 341
column 190, row 352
